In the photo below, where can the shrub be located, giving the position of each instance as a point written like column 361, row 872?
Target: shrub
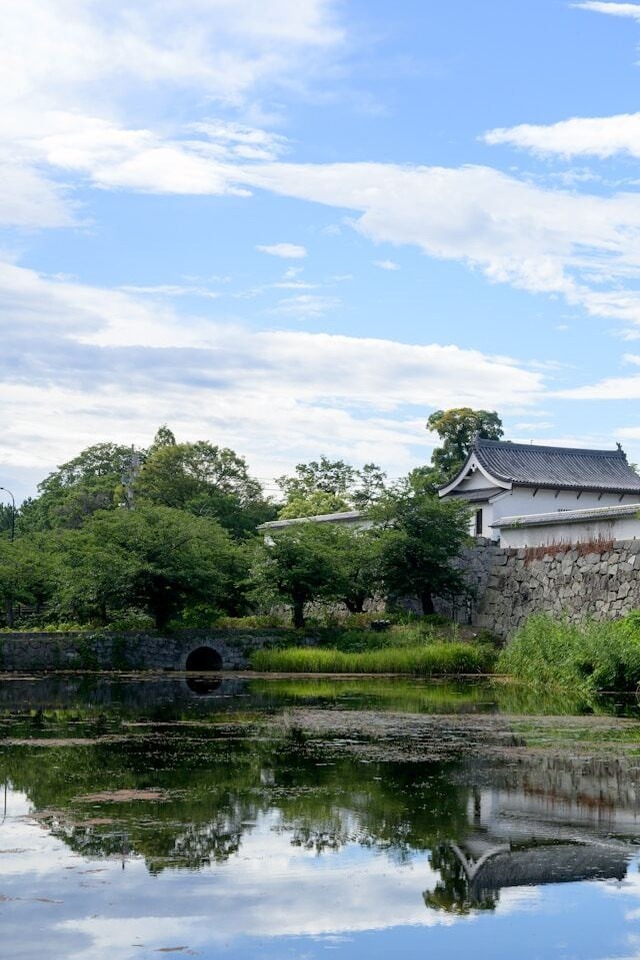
column 593, row 656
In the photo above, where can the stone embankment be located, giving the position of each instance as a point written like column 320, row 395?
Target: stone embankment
column 600, row 580
column 187, row 650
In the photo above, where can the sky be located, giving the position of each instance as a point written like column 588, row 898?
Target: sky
column 297, row 227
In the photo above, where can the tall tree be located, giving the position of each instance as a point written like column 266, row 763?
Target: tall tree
column 205, row 480
column 301, row 564
column 358, row 563
column 457, row 428
column 349, row 487
column 155, row 559
column 28, row 572
column 422, row 537
column 94, row 480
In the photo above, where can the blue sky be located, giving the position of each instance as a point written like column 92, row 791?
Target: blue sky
column 300, row 227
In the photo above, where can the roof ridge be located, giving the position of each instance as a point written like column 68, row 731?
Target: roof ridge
column 511, row 445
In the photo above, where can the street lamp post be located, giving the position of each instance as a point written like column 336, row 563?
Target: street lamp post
column 13, row 513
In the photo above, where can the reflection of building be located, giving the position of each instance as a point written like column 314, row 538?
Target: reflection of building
column 546, row 820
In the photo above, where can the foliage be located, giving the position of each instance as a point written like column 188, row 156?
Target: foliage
column 299, row 565
column 422, row 538
column 592, row 656
column 204, row 480
column 28, row 573
column 152, row 559
column 353, row 489
column 94, row 480
column 313, row 505
column 456, row 428
column 429, row 660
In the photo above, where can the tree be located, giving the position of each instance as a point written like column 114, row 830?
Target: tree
column 28, row 573
column 298, row 566
column 350, row 488
column 358, row 563
column 313, row 505
column 204, row 480
column 94, row 480
column 457, row 428
column 154, row 559
column 421, row 538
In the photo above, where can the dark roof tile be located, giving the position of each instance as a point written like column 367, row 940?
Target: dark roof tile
column 561, row 467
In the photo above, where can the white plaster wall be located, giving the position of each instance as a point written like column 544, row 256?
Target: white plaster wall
column 622, row 528
column 521, row 502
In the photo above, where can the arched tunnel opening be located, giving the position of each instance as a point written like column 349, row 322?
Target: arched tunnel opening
column 204, row 659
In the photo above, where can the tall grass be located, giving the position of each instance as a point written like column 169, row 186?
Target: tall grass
column 437, row 659
column 591, row 656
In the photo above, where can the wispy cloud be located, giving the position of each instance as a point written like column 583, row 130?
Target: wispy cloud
column 93, row 357
column 288, row 251
column 612, row 8
column 172, row 290
column 579, row 136
column 305, row 306
column 386, row 264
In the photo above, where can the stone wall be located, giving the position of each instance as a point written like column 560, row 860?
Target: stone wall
column 477, row 561
column 600, row 580
column 125, row 651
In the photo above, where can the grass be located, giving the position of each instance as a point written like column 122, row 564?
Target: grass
column 591, row 656
column 436, row 659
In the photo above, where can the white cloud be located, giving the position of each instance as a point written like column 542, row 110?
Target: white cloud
column 612, row 8
column 288, row 251
column 580, row 136
column 386, row 264
column 584, row 247
column 71, row 72
column 172, row 290
column 305, row 305
column 610, row 388
column 94, row 357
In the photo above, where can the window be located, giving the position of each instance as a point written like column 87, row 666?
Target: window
column 478, row 523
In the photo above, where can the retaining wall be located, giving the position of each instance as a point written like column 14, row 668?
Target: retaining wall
column 600, row 580
column 124, row 651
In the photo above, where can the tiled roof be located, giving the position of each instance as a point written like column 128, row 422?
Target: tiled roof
column 584, row 515
column 557, row 467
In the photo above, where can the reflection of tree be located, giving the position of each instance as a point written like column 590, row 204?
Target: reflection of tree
column 454, row 892
column 398, row 807
column 214, row 783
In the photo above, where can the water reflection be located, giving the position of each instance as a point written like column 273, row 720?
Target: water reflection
column 138, row 815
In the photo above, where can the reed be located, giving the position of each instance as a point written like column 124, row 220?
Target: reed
column 436, row 659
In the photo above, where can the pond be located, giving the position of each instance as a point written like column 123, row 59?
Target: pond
column 292, row 818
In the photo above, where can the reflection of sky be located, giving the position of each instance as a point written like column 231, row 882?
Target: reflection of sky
column 278, row 901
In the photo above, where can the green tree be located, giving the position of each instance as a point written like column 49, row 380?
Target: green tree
column 154, row 559
column 301, row 564
column 457, row 428
column 94, row 480
column 350, row 488
column 421, row 538
column 314, row 504
column 28, row 573
column 358, row 562
column 204, row 480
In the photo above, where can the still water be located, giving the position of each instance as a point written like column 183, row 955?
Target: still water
column 304, row 819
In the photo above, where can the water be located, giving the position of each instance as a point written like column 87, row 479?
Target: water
column 305, row 819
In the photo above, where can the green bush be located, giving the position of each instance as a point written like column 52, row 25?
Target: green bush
column 592, row 656
column 266, row 621
column 432, row 660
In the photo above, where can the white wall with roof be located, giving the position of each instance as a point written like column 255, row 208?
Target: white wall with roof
column 620, row 522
